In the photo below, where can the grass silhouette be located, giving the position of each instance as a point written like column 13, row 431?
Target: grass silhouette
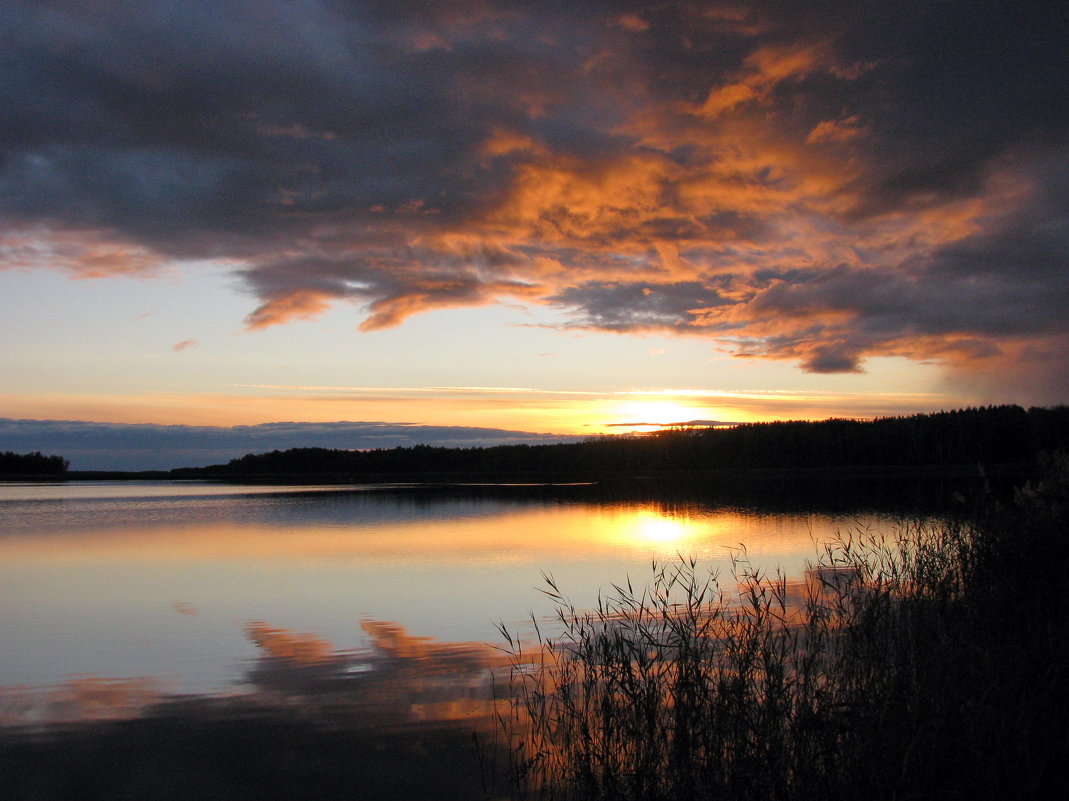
column 930, row 666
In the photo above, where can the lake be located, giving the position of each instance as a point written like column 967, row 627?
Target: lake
column 118, row 599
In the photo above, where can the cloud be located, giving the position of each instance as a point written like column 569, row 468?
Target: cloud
column 636, row 306
column 129, row 446
column 816, row 183
column 185, row 344
column 763, row 70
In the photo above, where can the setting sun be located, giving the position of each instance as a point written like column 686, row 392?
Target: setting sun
column 647, row 415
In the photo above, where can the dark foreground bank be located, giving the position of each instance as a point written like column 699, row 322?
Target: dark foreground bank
column 264, row 755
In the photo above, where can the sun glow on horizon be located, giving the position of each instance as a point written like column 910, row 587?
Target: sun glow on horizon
column 558, row 411
column 651, row 414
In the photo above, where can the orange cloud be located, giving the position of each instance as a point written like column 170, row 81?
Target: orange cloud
column 81, row 252
column 834, row 131
column 302, row 304
column 762, row 71
column 428, row 294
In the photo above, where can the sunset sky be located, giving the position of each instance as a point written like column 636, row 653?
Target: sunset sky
column 536, row 217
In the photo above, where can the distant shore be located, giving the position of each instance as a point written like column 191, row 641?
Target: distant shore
column 921, row 489
column 888, row 462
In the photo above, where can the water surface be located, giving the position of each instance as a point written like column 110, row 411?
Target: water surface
column 116, row 595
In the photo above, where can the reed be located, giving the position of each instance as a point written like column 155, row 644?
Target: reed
column 904, row 668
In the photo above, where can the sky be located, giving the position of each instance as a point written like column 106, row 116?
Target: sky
column 537, row 218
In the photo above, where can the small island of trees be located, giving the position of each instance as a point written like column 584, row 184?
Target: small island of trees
column 32, row 464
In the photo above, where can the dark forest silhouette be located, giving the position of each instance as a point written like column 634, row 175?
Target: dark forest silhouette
column 993, row 435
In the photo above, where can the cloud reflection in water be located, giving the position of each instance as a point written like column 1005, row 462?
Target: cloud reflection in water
column 393, row 721
column 398, row 679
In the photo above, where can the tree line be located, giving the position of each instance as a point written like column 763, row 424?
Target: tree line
column 35, row 463
column 985, row 435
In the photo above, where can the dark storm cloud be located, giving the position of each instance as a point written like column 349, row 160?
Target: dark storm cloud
column 130, row 446
column 636, row 306
column 820, row 182
column 161, row 120
column 956, row 87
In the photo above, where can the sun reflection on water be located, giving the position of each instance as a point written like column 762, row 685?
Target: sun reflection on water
column 657, row 530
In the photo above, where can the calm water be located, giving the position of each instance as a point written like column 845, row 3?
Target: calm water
column 114, row 596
